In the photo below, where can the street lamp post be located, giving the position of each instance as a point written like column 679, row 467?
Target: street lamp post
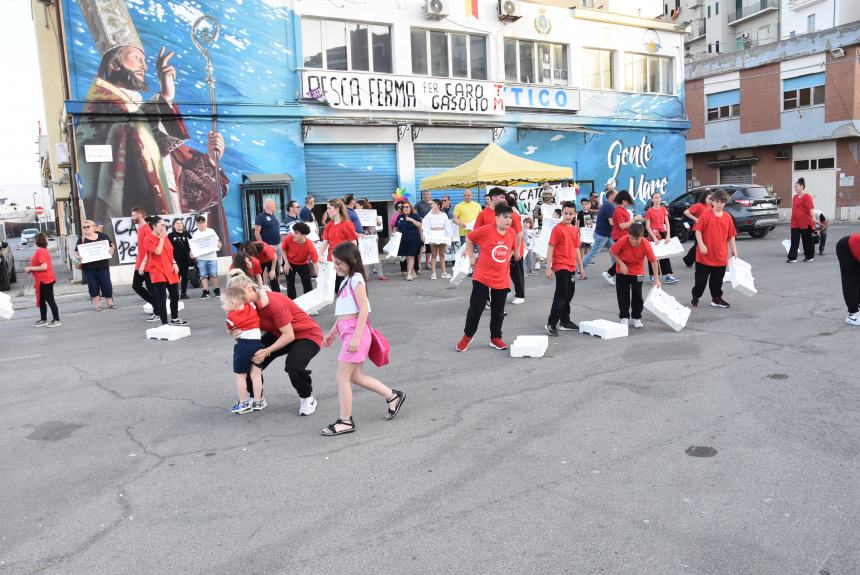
column 38, row 219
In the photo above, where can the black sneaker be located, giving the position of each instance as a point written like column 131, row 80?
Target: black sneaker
column 694, row 302
column 806, row 260
column 568, row 326
column 184, row 296
column 205, row 294
column 720, row 302
column 178, row 321
column 217, row 292
column 790, row 261
column 551, row 330
column 153, row 318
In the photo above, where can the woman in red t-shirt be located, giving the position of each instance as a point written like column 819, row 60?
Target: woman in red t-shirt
column 248, row 264
column 163, row 271
column 338, row 230
column 42, row 270
column 802, row 223
column 848, row 252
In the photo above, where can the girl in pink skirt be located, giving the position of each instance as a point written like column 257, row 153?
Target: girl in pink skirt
column 352, row 309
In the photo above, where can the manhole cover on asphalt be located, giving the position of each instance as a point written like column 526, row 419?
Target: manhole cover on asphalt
column 700, row 451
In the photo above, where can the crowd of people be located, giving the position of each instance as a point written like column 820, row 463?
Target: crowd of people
column 499, row 239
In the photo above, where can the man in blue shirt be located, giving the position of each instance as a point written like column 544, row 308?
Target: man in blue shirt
column 307, row 213
column 291, row 218
column 602, row 229
column 267, row 229
column 349, row 202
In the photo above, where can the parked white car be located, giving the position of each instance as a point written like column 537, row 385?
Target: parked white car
column 27, row 235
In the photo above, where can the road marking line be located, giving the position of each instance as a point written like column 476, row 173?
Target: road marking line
column 20, row 357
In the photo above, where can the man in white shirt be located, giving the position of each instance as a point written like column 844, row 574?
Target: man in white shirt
column 207, row 263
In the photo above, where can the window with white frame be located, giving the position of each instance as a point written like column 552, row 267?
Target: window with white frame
column 342, row 45
column 597, row 69
column 803, row 91
column 529, row 62
column 646, row 73
column 449, row 54
column 723, row 105
column 815, row 164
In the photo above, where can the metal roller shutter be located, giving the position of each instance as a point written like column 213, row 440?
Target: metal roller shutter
column 364, row 170
column 736, row 174
column 430, row 159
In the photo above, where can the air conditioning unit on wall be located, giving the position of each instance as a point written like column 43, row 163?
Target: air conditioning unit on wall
column 435, row 9
column 782, row 154
column 509, row 10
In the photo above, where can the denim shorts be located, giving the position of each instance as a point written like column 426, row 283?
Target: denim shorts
column 243, row 351
column 208, row 268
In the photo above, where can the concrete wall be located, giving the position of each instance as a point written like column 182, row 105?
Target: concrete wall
column 761, row 98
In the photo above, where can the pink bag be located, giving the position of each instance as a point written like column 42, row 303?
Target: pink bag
column 380, row 349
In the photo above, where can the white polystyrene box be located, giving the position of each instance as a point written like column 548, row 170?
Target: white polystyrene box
column 6, row 311
column 667, row 309
column 668, row 249
column 529, row 346
column 462, row 267
column 168, row 332
column 148, row 308
column 787, row 245
column 312, row 301
column 602, row 328
column 740, row 274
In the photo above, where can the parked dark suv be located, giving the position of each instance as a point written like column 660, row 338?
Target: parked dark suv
column 7, row 266
column 753, row 209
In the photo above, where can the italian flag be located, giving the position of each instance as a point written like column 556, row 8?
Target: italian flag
column 472, row 8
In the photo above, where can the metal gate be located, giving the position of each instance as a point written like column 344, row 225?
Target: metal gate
column 736, row 174
column 363, row 170
column 431, row 159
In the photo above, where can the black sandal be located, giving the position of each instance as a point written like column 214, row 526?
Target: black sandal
column 397, row 395
column 330, row 429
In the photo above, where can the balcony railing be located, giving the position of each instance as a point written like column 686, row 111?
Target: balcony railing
column 753, row 8
column 698, row 27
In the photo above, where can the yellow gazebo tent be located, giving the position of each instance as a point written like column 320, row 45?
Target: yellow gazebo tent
column 495, row 166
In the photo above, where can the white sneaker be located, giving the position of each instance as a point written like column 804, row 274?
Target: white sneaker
column 315, row 312
column 446, row 276
column 433, row 277
column 624, row 321
column 609, row 278
column 518, row 301
column 637, row 323
column 853, row 319
column 308, row 406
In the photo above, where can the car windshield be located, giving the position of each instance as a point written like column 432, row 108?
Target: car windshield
column 755, row 192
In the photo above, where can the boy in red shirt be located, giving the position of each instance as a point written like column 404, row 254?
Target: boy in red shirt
column 629, row 254
column 563, row 257
column 298, row 252
column 713, row 231
column 621, row 221
column 491, row 278
column 694, row 213
column 242, row 316
column 848, row 252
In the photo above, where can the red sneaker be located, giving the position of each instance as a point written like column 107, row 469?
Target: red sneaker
column 497, row 343
column 463, row 344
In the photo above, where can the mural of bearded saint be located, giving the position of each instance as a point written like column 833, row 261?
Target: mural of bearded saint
column 152, row 165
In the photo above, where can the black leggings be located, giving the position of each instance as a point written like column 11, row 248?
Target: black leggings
column 518, row 277
column 712, row 276
column 267, row 267
column 46, row 298
column 142, row 286
column 162, row 289
column 299, row 354
column 565, row 287
column 183, row 277
column 304, row 272
column 480, row 294
column 804, row 235
column 665, row 264
column 628, row 291
column 850, row 270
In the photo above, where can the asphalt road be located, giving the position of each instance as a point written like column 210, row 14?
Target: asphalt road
column 119, row 454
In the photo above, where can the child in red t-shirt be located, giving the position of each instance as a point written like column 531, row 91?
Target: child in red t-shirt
column 713, row 231
column 848, row 252
column 248, row 264
column 299, row 254
column 491, row 278
column 657, row 228
column 42, row 269
column 694, row 213
column 621, row 221
column 242, row 316
column 630, row 253
column 563, row 257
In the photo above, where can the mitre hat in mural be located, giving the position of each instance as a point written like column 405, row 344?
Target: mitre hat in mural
column 110, row 24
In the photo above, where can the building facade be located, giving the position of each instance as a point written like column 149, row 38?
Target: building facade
column 366, row 99
column 779, row 112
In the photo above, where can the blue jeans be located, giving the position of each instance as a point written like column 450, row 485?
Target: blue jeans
column 596, row 246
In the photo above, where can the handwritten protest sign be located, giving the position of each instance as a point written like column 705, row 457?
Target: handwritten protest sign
column 94, row 251
column 125, row 234
column 203, row 245
column 369, row 247
column 367, row 218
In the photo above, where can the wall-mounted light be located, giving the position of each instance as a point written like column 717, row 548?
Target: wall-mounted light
column 837, row 52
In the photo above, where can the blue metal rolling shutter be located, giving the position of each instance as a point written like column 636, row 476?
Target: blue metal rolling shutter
column 430, row 159
column 364, row 170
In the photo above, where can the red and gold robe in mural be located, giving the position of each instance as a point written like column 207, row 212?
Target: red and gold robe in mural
column 152, row 166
